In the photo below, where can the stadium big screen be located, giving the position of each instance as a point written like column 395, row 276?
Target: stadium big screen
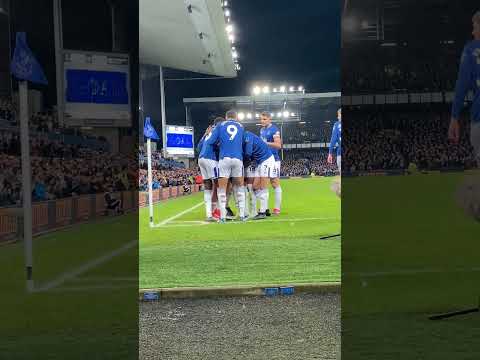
column 97, row 86
column 180, row 141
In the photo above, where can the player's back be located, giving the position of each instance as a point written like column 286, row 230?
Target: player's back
column 256, row 148
column 230, row 139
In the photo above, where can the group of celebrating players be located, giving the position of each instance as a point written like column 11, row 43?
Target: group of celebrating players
column 235, row 162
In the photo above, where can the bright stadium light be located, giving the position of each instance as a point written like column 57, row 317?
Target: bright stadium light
column 257, row 115
column 227, row 13
column 256, row 90
column 292, row 88
column 300, row 88
column 282, row 88
column 286, row 114
column 272, row 114
column 266, row 90
column 225, row 3
column 231, row 37
column 235, row 54
column 229, row 28
column 279, row 114
column 275, row 90
column 293, row 114
column 249, row 116
column 241, row 116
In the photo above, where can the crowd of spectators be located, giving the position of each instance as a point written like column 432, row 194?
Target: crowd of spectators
column 307, row 162
column 394, row 140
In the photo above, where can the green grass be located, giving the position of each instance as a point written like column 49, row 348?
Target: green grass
column 80, row 324
column 282, row 250
column 408, row 252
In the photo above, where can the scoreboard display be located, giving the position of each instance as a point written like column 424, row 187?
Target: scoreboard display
column 97, row 87
column 180, row 141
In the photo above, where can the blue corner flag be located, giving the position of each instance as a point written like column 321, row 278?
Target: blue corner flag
column 149, row 131
column 24, row 66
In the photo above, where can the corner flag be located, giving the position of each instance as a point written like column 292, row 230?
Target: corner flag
column 149, row 131
column 24, row 65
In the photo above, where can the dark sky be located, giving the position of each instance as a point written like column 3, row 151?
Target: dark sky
column 281, row 41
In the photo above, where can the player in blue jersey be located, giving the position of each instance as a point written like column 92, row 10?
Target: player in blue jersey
column 271, row 135
column 468, row 80
column 336, row 141
column 468, row 193
column 256, row 150
column 208, row 163
column 228, row 135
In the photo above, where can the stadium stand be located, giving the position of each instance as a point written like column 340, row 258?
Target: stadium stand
column 405, row 136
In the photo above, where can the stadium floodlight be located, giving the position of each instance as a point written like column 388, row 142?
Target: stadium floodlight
column 275, row 90
column 292, row 114
column 225, row 3
column 249, row 116
column 266, row 90
column 257, row 115
column 231, row 37
column 286, row 114
column 272, row 114
column 241, row 116
column 256, row 90
column 279, row 114
column 227, row 13
column 300, row 88
column 229, row 28
column 292, row 88
column 235, row 54
column 283, row 88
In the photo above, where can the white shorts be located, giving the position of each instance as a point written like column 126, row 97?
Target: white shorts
column 267, row 168
column 208, row 168
column 230, row 167
column 250, row 171
column 339, row 162
column 276, row 169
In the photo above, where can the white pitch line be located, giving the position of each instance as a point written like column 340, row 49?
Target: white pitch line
column 409, row 272
column 203, row 223
column 85, row 267
column 166, row 221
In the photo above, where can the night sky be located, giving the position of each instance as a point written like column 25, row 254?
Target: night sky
column 282, row 41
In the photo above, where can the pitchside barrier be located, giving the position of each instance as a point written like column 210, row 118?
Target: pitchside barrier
column 56, row 214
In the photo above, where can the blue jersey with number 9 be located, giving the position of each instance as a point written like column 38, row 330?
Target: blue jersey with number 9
column 229, row 137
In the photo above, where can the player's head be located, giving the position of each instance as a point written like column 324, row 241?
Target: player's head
column 265, row 118
column 217, row 120
column 231, row 115
column 476, row 25
column 339, row 114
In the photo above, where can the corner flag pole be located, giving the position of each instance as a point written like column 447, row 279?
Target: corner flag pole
column 26, row 181
column 150, row 190
column 25, row 67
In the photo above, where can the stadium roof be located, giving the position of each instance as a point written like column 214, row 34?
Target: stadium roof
column 170, row 36
column 300, row 107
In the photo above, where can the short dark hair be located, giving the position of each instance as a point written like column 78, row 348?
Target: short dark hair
column 266, row 114
column 231, row 114
column 217, row 120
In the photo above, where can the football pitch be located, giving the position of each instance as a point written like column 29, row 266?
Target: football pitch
column 408, row 252
column 184, row 251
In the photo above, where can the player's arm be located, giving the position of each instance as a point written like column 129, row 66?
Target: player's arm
column 333, row 143
column 212, row 137
column 461, row 88
column 277, row 141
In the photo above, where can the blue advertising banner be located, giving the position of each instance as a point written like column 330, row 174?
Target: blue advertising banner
column 96, row 87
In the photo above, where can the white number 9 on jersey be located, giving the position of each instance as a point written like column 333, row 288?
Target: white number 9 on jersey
column 232, row 131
